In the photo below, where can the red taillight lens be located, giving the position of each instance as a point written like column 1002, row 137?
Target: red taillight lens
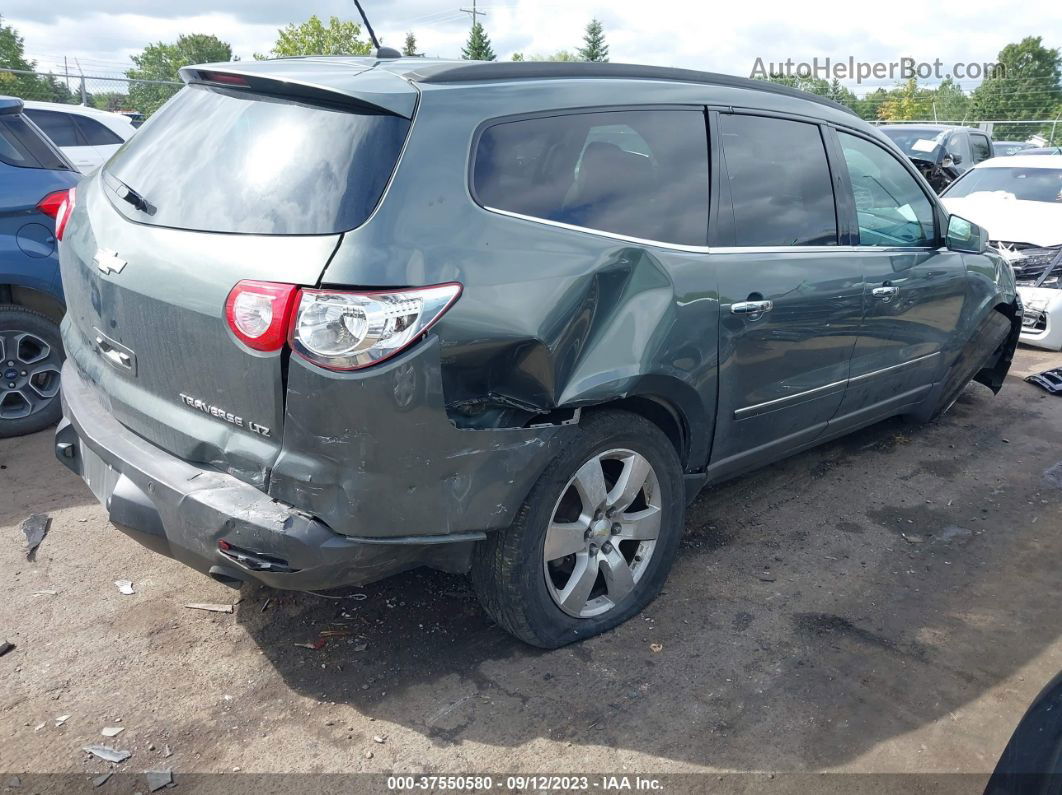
column 51, row 203
column 65, row 210
column 259, row 313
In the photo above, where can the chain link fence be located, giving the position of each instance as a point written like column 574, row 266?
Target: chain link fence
column 115, row 92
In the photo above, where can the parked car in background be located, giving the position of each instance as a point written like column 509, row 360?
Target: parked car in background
column 942, row 153
column 87, row 136
column 512, row 337
column 1044, row 150
column 1018, row 199
column 1004, row 148
column 35, row 179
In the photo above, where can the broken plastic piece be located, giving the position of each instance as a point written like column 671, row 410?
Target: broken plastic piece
column 125, row 586
column 5, row 647
column 35, row 527
column 1051, row 380
column 107, row 754
column 157, row 779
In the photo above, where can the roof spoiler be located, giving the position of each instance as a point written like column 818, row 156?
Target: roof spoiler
column 374, row 90
column 10, row 105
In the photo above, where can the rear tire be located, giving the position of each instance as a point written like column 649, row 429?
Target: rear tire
column 31, row 356
column 614, row 538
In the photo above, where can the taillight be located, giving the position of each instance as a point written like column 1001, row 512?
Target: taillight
column 349, row 331
column 51, row 203
column 66, row 209
column 259, row 313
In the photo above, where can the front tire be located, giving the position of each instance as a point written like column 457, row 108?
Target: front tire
column 31, row 358
column 595, row 539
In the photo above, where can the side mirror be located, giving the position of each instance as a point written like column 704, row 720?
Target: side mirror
column 966, row 236
column 950, row 160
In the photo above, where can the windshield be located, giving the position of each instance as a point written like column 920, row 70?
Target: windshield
column 224, row 160
column 916, row 142
column 1023, row 184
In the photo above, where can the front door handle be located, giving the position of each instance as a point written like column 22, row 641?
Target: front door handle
column 886, row 293
column 751, row 307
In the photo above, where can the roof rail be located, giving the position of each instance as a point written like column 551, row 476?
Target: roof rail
column 543, row 70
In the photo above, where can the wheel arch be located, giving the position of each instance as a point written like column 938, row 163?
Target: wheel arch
column 31, row 298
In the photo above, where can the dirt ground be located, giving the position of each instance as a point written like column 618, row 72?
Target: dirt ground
column 885, row 603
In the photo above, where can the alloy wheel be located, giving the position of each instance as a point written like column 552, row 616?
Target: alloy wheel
column 602, row 533
column 30, row 369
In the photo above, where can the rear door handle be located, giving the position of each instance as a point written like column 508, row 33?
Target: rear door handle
column 886, row 294
column 751, row 307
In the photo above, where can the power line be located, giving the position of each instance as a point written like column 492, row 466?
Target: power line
column 473, row 12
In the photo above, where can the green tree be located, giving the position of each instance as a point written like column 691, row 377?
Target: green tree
column 950, row 102
column 560, row 55
column 313, row 37
column 906, row 102
column 478, row 47
column 162, row 61
column 410, row 47
column 518, row 56
column 25, row 86
column 110, row 100
column 1028, row 88
column 594, row 47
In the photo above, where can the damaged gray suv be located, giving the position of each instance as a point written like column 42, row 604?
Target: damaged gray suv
column 334, row 318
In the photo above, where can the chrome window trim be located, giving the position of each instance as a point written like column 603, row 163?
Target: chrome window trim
column 708, row 249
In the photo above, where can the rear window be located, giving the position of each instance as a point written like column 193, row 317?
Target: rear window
column 21, row 145
column 638, row 173
column 94, row 133
column 221, row 160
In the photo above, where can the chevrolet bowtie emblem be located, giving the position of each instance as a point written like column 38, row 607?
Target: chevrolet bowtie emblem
column 108, row 261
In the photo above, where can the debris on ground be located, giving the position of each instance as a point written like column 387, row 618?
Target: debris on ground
column 125, row 587
column 265, row 604
column 45, row 593
column 157, row 779
column 112, row 731
column 1051, row 380
column 61, row 720
column 5, row 647
column 317, row 645
column 35, row 528
column 99, row 781
column 378, row 739
column 107, row 754
column 656, row 648
column 13, row 782
column 910, row 538
column 213, row 608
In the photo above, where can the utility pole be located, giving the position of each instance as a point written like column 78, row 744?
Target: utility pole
column 473, row 12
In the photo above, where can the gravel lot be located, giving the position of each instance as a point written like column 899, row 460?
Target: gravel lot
column 886, row 603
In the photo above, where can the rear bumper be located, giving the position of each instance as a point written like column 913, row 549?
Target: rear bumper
column 184, row 511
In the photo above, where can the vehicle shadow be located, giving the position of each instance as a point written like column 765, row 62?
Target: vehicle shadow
column 843, row 597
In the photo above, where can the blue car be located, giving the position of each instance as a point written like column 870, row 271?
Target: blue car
column 35, row 182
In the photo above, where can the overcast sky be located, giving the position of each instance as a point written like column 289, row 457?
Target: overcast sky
column 725, row 37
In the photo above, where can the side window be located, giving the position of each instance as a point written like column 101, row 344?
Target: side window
column 57, row 126
column 22, row 145
column 94, row 133
column 780, row 182
column 638, row 173
column 891, row 208
column 982, row 149
column 958, row 147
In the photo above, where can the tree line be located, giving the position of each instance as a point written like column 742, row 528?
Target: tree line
column 1029, row 85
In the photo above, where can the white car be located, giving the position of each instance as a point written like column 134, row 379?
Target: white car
column 1018, row 199
column 88, row 137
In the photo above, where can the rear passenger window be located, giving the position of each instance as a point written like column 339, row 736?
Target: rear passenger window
column 641, row 173
column 779, row 181
column 22, row 145
column 57, row 126
column 94, row 133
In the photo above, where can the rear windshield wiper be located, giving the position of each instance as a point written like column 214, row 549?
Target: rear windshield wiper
column 127, row 194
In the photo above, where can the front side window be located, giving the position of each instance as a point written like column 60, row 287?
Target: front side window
column 638, row 173
column 982, row 149
column 891, row 209
column 780, row 182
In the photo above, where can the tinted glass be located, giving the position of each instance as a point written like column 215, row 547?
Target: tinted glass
column 1023, row 184
column 223, row 160
column 641, row 173
column 779, row 181
column 22, row 145
column 95, row 134
column 982, row 150
column 891, row 208
column 57, row 126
